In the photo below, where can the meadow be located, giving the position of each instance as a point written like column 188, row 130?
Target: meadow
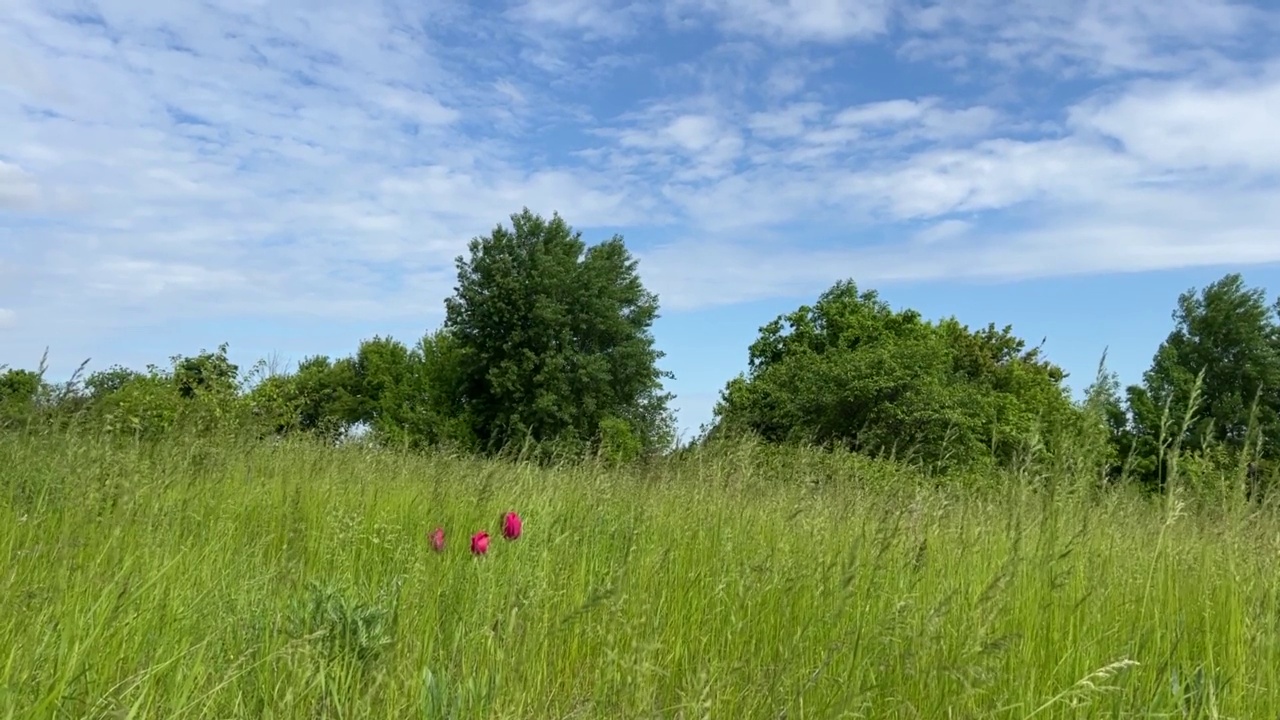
column 290, row 580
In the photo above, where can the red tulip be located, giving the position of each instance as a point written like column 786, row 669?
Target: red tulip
column 480, row 543
column 437, row 539
column 511, row 526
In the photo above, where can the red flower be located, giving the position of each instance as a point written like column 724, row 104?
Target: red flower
column 437, row 539
column 480, row 543
column 511, row 526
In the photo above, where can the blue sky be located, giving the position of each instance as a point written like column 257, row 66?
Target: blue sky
column 292, row 177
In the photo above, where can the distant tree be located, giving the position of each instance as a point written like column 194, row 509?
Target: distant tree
column 1105, row 406
column 850, row 371
column 320, row 398
column 404, row 395
column 147, row 405
column 393, row 392
column 208, row 372
column 327, row 395
column 104, row 382
column 1228, row 332
column 20, row 392
column 440, row 416
column 553, row 338
column 199, row 395
column 414, row 391
column 20, row 386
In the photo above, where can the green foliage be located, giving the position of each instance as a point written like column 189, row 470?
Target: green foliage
column 409, row 395
column 346, row 629
column 1224, row 351
column 849, row 371
column 442, row 418
column 319, row 398
column 198, row 394
column 404, row 396
column 20, row 386
column 146, row 406
column 1106, row 421
column 553, row 337
column 209, row 373
column 619, row 443
column 326, row 395
column 20, row 390
column 105, row 382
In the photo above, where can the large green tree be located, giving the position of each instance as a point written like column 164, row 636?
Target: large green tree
column 850, row 371
column 553, row 338
column 1228, row 337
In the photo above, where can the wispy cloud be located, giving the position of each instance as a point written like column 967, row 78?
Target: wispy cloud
column 233, row 158
column 1073, row 37
column 794, row 20
column 601, row 19
column 18, row 189
column 260, row 158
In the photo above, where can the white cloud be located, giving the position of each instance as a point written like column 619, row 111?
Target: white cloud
column 8, row 318
column 1075, row 36
column 18, row 190
column 796, row 20
column 685, row 145
column 224, row 159
column 992, row 175
column 789, row 76
column 1189, row 125
column 605, row 19
column 259, row 158
column 418, row 106
column 1174, row 230
column 786, row 122
column 1151, row 175
column 943, row 231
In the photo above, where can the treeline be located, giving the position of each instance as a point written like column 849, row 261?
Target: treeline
column 546, row 350
column 851, row 372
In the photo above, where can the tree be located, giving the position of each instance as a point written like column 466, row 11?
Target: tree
column 440, row 417
column 199, row 395
column 320, row 398
column 553, row 338
column 20, row 391
column 20, row 386
column 850, row 371
column 326, row 393
column 385, row 379
column 208, row 373
column 1104, row 406
column 409, row 395
column 1229, row 333
column 105, row 382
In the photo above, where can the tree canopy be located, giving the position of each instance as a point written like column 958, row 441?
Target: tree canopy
column 553, row 338
column 1215, row 380
column 851, row 371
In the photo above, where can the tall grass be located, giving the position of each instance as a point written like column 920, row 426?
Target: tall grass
column 290, row 581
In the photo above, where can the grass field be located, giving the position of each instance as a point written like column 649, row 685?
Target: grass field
column 298, row 582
